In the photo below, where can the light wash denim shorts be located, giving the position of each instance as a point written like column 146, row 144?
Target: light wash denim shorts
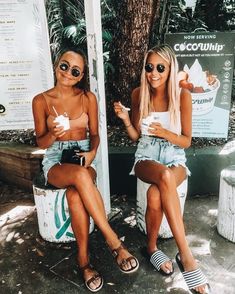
column 53, row 154
column 159, row 150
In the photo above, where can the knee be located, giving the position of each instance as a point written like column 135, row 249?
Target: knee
column 82, row 176
column 153, row 198
column 166, row 179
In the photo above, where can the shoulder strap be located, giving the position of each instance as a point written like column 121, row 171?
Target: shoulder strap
column 47, row 104
column 82, row 97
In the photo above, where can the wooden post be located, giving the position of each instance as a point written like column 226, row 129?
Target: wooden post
column 96, row 74
column 226, row 206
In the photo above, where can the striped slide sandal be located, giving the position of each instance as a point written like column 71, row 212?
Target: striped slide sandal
column 193, row 278
column 157, row 259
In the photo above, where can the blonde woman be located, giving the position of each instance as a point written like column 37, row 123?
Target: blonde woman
column 71, row 100
column 162, row 122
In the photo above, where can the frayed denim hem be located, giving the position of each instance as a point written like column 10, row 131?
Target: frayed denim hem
column 188, row 173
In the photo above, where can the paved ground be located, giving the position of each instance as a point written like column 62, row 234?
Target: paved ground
column 28, row 264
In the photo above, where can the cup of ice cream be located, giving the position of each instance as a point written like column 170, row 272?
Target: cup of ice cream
column 154, row 117
column 145, row 125
column 202, row 85
column 63, row 121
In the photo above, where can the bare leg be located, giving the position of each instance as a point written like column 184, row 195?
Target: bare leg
column 153, row 217
column 167, row 180
column 80, row 178
column 80, row 225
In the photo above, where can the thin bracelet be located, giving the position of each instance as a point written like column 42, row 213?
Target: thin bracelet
column 128, row 125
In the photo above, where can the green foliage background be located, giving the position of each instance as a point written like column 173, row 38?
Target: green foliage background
column 66, row 22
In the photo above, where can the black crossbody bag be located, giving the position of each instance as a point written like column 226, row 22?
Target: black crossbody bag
column 72, row 156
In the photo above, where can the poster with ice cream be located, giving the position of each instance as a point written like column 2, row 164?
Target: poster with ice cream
column 206, row 63
column 203, row 86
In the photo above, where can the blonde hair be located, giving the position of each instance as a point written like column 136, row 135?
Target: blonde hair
column 173, row 90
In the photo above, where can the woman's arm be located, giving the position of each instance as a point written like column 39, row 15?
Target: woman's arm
column 44, row 137
column 132, row 125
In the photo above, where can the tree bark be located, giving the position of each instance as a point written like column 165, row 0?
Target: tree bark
column 134, row 21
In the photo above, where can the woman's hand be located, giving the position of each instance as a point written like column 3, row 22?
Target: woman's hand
column 157, row 130
column 121, row 111
column 89, row 157
column 57, row 131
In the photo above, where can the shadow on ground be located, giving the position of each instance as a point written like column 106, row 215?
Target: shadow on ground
column 28, row 264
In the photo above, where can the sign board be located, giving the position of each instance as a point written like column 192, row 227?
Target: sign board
column 208, row 60
column 25, row 60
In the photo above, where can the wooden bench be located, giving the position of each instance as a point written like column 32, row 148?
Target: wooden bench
column 19, row 164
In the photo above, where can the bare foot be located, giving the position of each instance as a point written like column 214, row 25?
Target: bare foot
column 167, row 267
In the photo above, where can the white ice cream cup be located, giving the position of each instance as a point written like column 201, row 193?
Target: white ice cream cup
column 63, row 122
column 204, row 102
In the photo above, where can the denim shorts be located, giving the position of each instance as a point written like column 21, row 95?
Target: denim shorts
column 159, row 150
column 53, row 153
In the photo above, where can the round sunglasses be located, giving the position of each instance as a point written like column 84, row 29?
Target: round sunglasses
column 149, row 67
column 74, row 71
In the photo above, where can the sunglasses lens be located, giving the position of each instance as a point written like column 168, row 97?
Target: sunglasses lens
column 75, row 72
column 64, row 66
column 148, row 67
column 160, row 68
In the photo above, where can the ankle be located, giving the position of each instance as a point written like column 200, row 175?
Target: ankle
column 114, row 243
column 83, row 260
column 186, row 254
column 188, row 260
column 151, row 248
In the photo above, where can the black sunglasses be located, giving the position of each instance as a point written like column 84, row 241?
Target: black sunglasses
column 74, row 71
column 149, row 67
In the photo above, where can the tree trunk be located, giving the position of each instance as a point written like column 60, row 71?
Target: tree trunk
column 160, row 23
column 134, row 20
